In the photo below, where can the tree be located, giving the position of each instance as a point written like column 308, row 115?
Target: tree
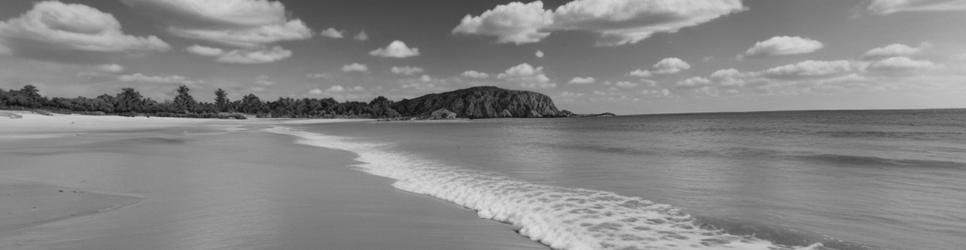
column 221, row 100
column 251, row 104
column 129, row 100
column 184, row 102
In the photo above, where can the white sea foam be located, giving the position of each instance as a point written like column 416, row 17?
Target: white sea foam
column 562, row 218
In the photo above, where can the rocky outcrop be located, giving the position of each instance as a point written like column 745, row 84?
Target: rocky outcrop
column 482, row 102
column 441, row 114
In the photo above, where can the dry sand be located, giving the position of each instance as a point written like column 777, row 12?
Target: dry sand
column 209, row 184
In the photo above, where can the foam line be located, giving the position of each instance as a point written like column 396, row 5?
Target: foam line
column 560, row 217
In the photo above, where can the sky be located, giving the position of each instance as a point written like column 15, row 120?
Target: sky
column 621, row 56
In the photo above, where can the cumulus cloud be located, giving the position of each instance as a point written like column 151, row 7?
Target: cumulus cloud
column 110, row 68
column 316, row 91
column 355, row 67
column 60, row 27
column 666, row 66
column 694, row 81
column 171, row 79
column 425, row 78
column 894, row 50
column 809, row 69
column 900, row 65
column 246, row 56
column 582, row 80
column 362, row 36
column 539, row 54
column 784, row 45
column 885, row 7
column 204, row 51
column 396, row 49
column 332, row 33
column 626, row 84
column 617, row 22
column 475, row 74
column 406, row 70
column 236, row 23
column 528, row 77
column 730, row 77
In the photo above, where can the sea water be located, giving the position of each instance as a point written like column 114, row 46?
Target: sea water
column 772, row 180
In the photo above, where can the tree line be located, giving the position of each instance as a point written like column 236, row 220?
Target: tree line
column 130, row 102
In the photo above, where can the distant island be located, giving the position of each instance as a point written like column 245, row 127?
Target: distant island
column 473, row 103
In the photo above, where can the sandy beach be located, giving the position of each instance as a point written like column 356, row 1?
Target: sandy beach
column 104, row 182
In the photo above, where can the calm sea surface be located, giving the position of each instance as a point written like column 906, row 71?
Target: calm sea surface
column 845, row 179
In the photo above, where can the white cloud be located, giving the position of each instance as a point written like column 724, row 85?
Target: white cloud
column 528, row 77
column 893, row 50
column 784, row 45
column 626, row 84
column 641, row 73
column 406, row 70
column 246, row 56
column 885, row 7
column 172, row 79
column 694, row 81
column 809, row 69
column 617, row 22
column 336, row 89
column 396, row 49
column 237, row 23
column 315, row 91
column 355, row 67
column 318, row 75
column 362, row 36
column 52, row 25
column 204, row 51
column 568, row 94
column 332, row 33
column 667, row 66
column 242, row 56
column 730, row 77
column 539, row 54
column 582, row 80
column 475, row 74
column 514, row 22
column 425, row 78
column 264, row 80
column 900, row 64
column 110, row 68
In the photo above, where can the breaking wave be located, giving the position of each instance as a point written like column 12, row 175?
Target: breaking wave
column 560, row 217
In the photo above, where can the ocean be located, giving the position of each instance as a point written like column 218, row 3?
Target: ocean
column 767, row 180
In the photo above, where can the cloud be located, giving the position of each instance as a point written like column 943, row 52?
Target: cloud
column 236, row 23
column 528, row 77
column 539, row 54
column 332, row 33
column 355, row 67
column 316, row 91
column 52, row 27
column 667, row 66
column 730, row 77
column 885, row 7
column 616, row 22
column 900, row 65
column 425, row 78
column 396, row 49
column 241, row 56
column 514, row 22
column 204, row 51
column 694, row 81
column 362, row 36
column 784, row 45
column 110, row 68
column 245, row 56
column 626, row 84
column 172, row 79
column 893, row 50
column 582, row 80
column 809, row 69
column 317, row 75
column 406, row 70
column 264, row 80
column 475, row 74
column 336, row 90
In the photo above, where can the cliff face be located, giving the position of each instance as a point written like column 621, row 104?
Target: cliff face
column 482, row 102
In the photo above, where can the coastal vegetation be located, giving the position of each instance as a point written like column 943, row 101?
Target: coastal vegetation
column 476, row 102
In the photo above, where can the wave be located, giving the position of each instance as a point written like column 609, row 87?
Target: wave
column 559, row 217
column 872, row 161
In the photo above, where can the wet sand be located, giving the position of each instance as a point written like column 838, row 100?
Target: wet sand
column 222, row 185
